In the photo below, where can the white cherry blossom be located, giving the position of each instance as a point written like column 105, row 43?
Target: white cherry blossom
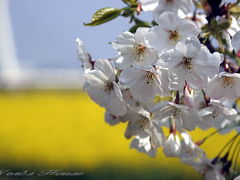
column 129, row 99
column 84, row 56
column 102, row 88
column 215, row 114
column 150, row 143
column 172, row 146
column 165, row 77
column 144, row 83
column 144, row 145
column 188, row 96
column 149, row 5
column 234, row 27
column 237, row 178
column 114, row 120
column 134, row 48
column 138, row 124
column 171, row 30
column 141, row 124
column 213, row 174
column 200, row 19
column 206, row 168
column 189, row 149
column 159, row 6
column 190, row 62
column 111, row 119
column 185, row 117
column 224, row 85
column 201, row 163
column 230, row 123
column 228, row 44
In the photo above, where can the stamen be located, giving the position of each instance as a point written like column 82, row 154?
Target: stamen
column 173, row 35
column 228, row 81
column 187, row 63
column 143, row 123
column 140, row 49
column 108, row 87
column 149, row 77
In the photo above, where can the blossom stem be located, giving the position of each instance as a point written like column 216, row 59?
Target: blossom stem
column 236, row 161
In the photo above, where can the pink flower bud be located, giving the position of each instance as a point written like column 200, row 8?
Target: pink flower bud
column 188, row 98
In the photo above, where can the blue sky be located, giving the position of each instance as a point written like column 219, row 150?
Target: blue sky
column 45, row 31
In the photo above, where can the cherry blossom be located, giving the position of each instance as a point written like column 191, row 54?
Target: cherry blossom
column 84, row 56
column 134, row 48
column 172, row 146
column 190, row 62
column 185, row 118
column 144, row 83
column 144, row 145
column 171, row 30
column 179, row 73
column 102, row 88
column 159, row 6
column 224, row 85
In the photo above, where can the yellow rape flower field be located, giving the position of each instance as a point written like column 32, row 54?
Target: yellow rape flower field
column 62, row 129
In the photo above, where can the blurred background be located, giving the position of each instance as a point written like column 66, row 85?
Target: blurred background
column 47, row 122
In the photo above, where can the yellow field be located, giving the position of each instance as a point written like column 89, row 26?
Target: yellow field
column 55, row 129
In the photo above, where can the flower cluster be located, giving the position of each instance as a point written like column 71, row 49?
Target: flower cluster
column 168, row 76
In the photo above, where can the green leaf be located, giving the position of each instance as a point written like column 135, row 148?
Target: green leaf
column 130, row 2
column 154, row 23
column 104, row 15
column 127, row 12
column 134, row 28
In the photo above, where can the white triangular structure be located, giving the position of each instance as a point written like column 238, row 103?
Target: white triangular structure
column 12, row 77
column 9, row 66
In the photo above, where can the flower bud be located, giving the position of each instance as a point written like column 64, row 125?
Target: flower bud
column 172, row 146
column 188, row 98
